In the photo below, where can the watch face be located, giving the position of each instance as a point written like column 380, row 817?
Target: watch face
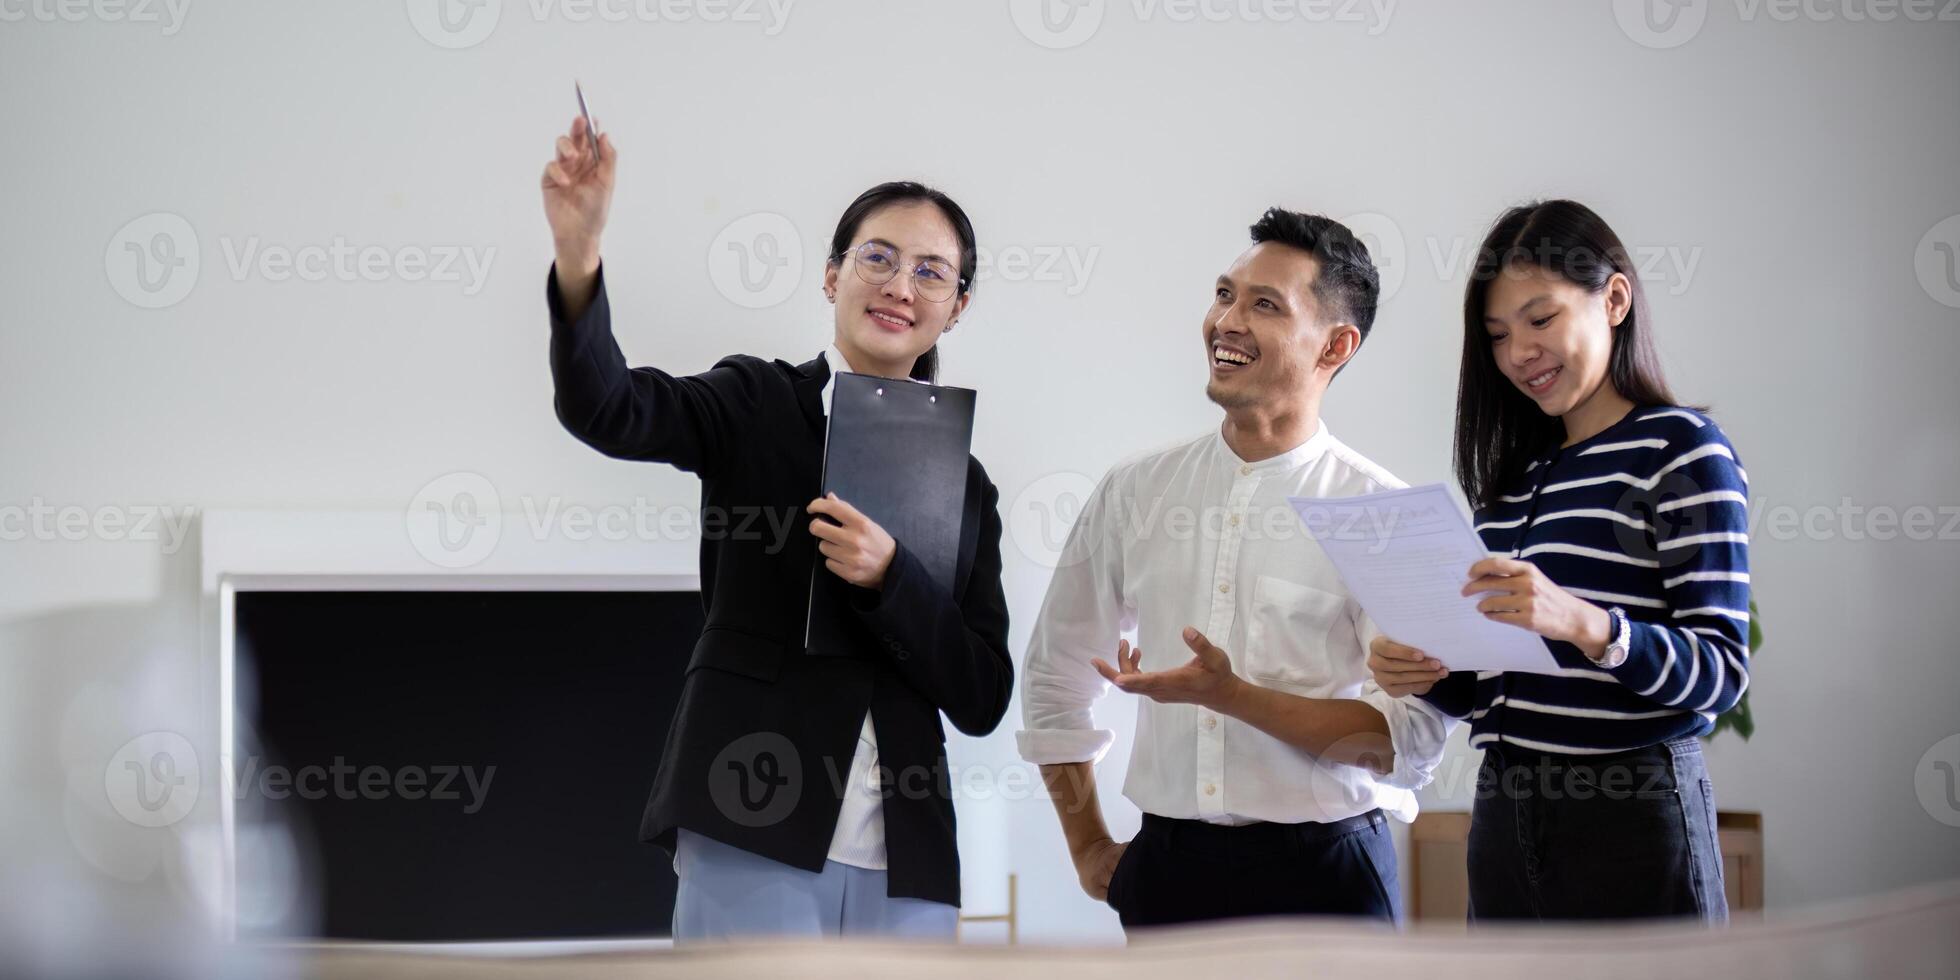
column 1622, row 636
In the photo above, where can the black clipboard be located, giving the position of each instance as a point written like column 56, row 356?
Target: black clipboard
column 897, row 451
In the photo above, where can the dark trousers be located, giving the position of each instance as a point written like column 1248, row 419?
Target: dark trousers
column 1622, row 836
column 1191, row 871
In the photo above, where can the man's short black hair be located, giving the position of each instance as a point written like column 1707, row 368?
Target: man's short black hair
column 1348, row 285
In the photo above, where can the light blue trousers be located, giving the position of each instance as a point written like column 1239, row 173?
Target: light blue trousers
column 727, row 893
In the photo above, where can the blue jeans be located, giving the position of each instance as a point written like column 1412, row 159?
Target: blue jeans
column 1621, row 836
column 727, row 893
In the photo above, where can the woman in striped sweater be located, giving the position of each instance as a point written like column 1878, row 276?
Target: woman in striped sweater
column 1617, row 524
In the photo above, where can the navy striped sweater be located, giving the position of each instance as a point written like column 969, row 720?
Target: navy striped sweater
column 1650, row 515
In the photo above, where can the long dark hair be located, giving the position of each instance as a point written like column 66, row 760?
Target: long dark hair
column 926, row 367
column 1498, row 428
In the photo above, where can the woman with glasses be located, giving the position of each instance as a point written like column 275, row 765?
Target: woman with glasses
column 800, row 795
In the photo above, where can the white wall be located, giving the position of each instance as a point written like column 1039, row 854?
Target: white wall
column 1798, row 167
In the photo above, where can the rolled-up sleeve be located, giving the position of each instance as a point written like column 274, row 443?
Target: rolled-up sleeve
column 1417, row 730
column 1081, row 618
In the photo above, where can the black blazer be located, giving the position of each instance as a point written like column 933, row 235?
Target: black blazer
column 762, row 743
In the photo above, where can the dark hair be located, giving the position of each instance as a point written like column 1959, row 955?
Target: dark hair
column 1498, row 428
column 1347, row 285
column 926, row 368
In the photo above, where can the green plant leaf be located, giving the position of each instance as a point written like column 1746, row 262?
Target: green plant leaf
column 1738, row 719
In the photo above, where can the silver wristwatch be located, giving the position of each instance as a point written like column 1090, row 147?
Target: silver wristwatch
column 1616, row 651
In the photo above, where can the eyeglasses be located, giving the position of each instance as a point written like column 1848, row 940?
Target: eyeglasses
column 878, row 262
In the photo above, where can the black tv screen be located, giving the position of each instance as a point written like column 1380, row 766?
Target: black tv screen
column 464, row 765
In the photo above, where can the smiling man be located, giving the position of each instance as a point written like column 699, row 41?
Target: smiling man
column 1265, row 755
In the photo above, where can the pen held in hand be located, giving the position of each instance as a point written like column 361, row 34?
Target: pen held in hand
column 591, row 132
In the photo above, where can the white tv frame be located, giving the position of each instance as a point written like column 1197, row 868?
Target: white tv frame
column 281, row 550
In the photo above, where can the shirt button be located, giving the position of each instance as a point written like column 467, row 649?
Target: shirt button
column 1211, row 722
column 1224, row 586
column 1211, row 789
column 1235, row 520
column 1245, row 471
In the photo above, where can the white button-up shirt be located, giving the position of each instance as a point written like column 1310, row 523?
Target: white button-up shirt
column 1196, row 536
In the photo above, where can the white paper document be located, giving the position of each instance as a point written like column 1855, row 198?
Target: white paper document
column 1405, row 555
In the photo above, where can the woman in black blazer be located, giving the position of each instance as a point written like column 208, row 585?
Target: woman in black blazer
column 764, row 788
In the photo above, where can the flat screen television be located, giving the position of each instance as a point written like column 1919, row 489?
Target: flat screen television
column 459, row 764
